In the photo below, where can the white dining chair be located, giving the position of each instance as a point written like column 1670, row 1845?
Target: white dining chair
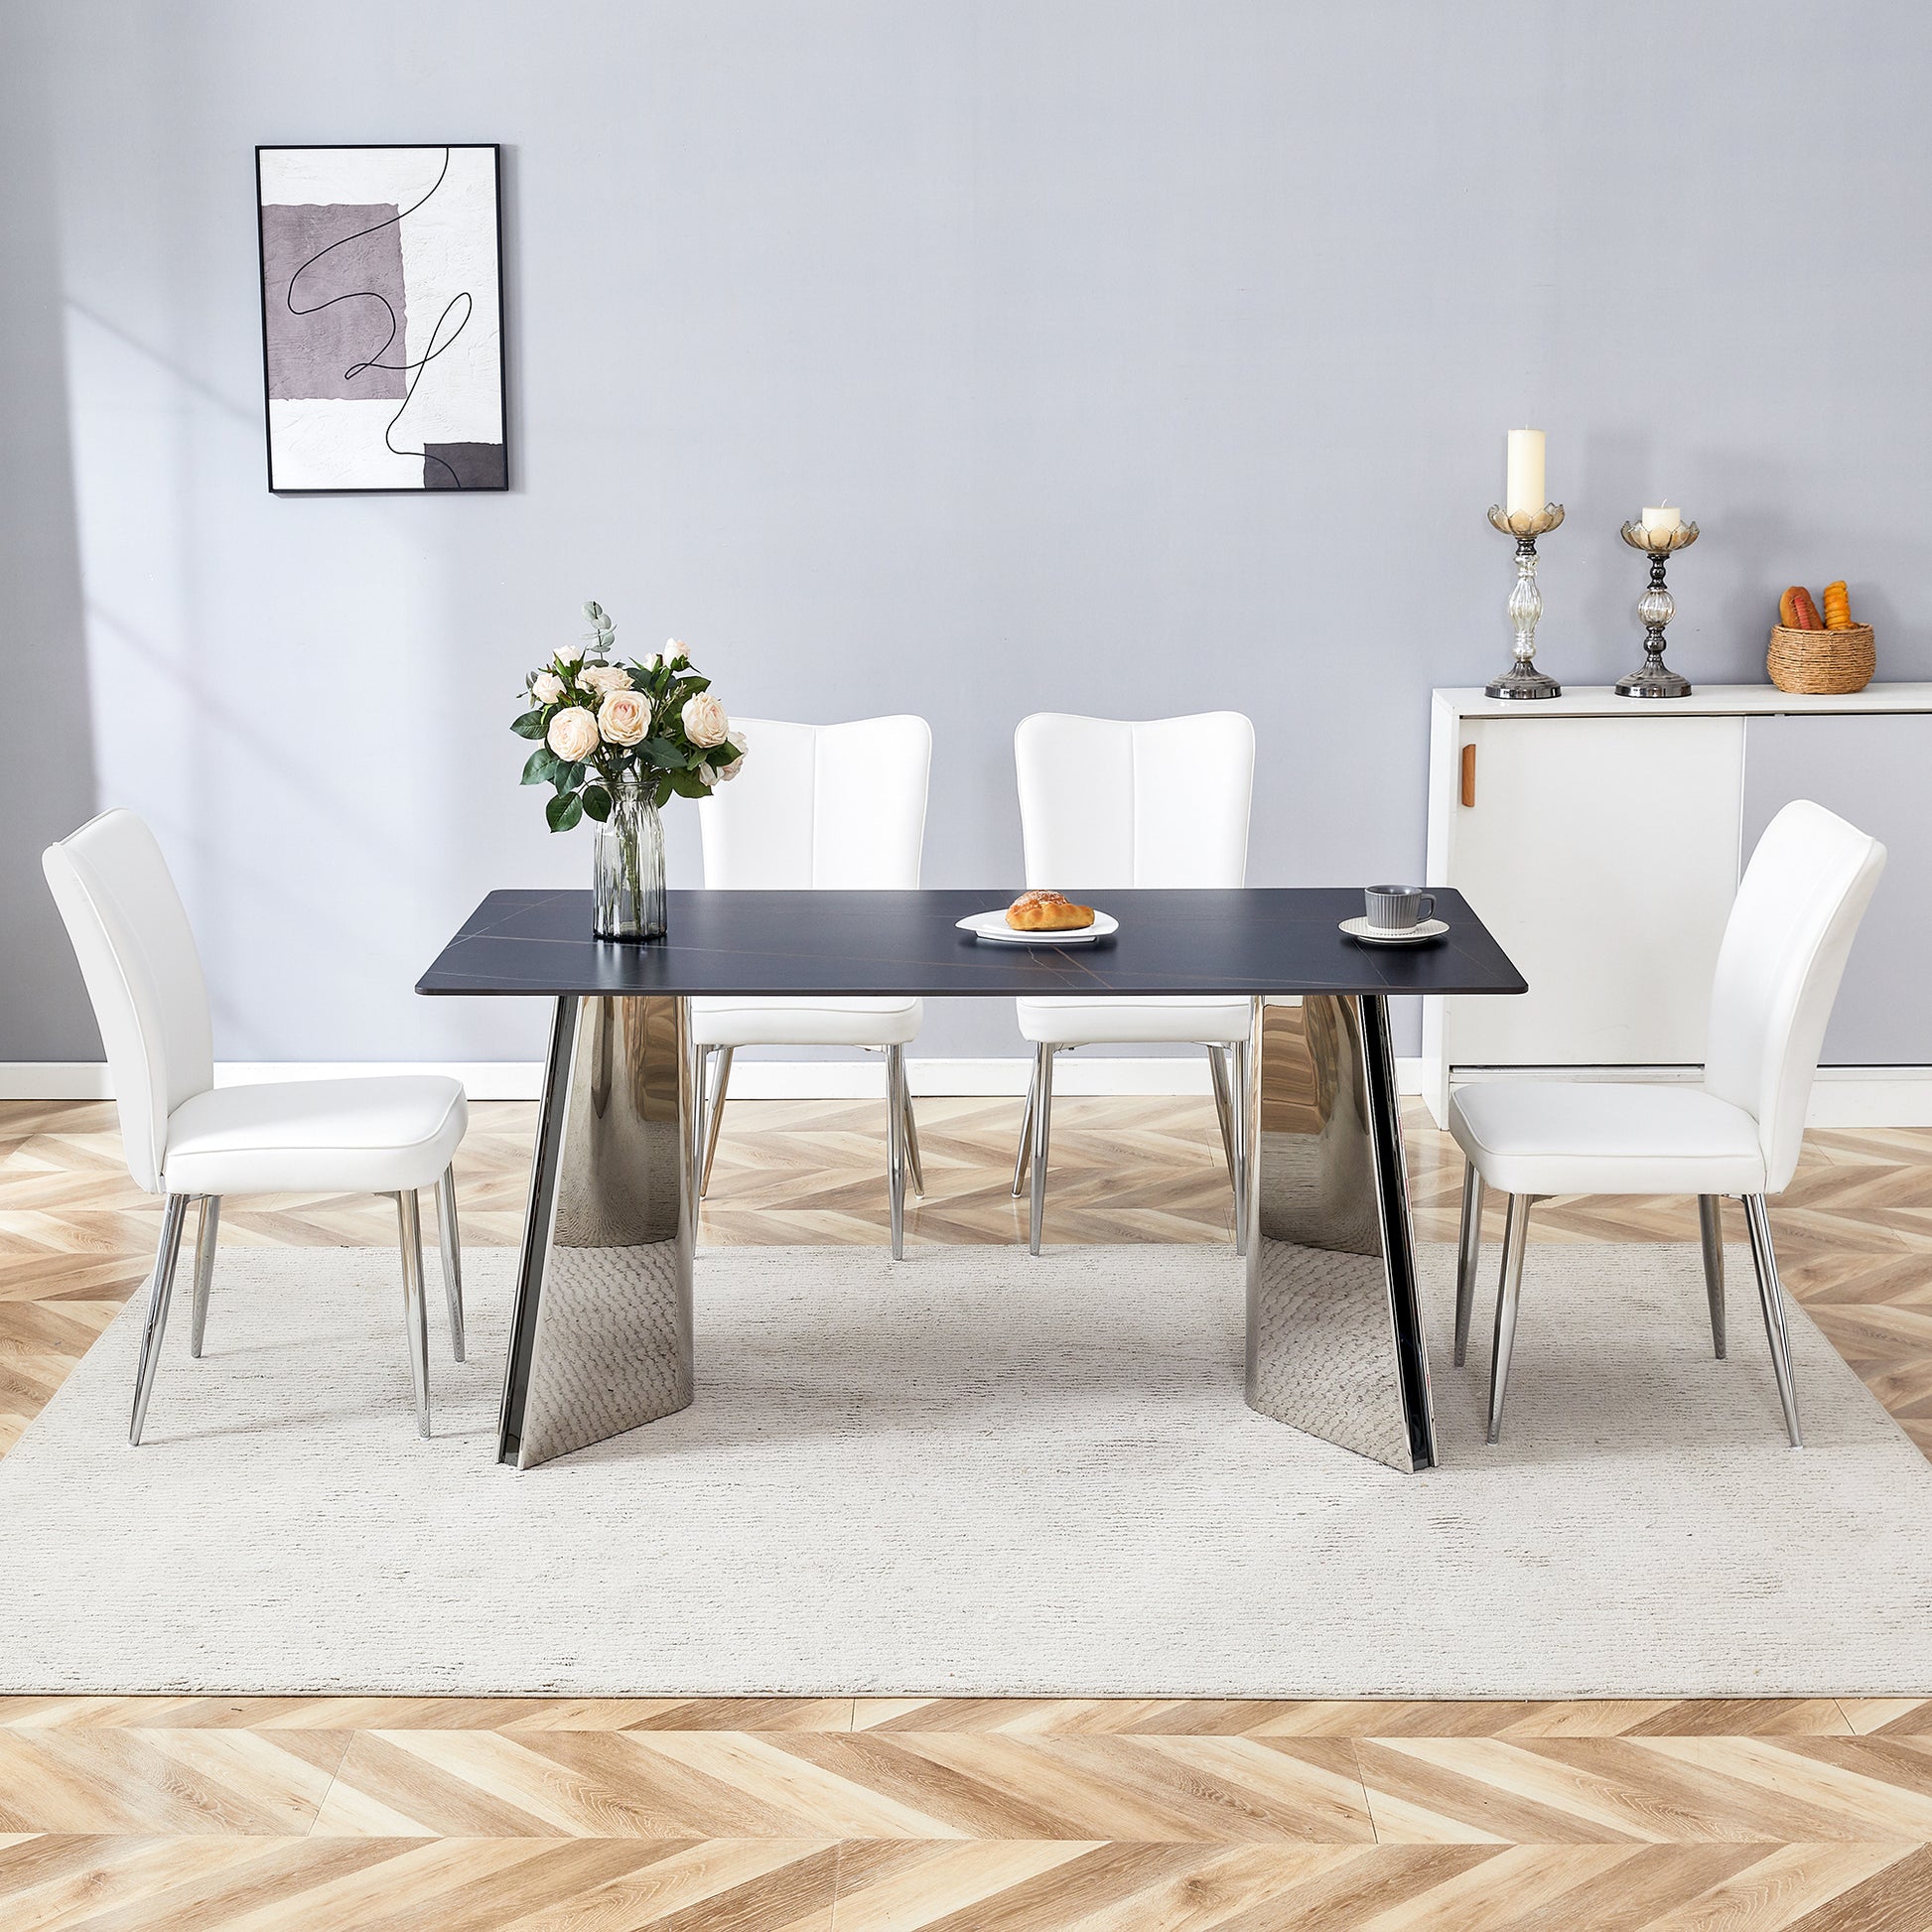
column 820, row 807
column 187, row 1139
column 1783, row 954
column 1107, row 805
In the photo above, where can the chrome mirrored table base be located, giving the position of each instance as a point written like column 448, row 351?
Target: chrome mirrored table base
column 601, row 1325
column 1335, row 1343
column 601, row 1337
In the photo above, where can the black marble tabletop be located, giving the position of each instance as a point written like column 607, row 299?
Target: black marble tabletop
column 1265, row 939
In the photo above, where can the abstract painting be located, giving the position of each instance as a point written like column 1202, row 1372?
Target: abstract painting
column 383, row 331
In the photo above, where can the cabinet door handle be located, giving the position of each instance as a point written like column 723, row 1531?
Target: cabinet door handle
column 1468, row 775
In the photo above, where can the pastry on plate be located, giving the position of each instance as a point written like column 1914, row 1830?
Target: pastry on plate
column 1043, row 912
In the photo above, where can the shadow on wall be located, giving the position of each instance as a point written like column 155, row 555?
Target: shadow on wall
column 47, row 777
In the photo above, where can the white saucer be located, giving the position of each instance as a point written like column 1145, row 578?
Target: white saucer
column 1375, row 935
column 993, row 926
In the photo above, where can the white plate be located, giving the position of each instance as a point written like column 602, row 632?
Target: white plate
column 1375, row 935
column 993, row 926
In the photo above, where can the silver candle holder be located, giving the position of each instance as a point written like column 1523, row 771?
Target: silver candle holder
column 1654, row 678
column 1523, row 679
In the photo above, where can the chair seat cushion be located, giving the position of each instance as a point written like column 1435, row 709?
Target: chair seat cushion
column 1177, row 1022
column 805, row 1022
column 1605, row 1137
column 381, row 1135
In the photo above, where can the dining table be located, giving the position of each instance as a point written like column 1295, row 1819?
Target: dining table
column 602, row 1319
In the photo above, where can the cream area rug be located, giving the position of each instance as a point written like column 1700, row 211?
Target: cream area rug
column 971, row 1472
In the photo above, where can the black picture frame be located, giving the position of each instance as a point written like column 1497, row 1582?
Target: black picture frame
column 496, row 153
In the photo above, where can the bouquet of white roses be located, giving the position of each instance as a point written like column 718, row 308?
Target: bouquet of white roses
column 602, row 725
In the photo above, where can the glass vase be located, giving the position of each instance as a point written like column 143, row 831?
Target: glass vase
column 630, row 867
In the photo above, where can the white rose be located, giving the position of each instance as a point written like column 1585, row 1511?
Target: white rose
column 726, row 772
column 573, row 733
column 570, row 654
column 546, row 688
column 674, row 652
column 705, row 775
column 704, row 721
column 605, row 677
column 625, row 716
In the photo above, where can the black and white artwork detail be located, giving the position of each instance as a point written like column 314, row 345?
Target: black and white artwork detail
column 382, row 334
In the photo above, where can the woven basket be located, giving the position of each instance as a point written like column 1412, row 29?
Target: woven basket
column 1825, row 663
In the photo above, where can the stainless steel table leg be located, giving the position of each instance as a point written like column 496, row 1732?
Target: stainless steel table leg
column 600, row 1328
column 1336, row 1341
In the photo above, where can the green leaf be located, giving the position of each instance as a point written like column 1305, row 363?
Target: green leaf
column 564, row 811
column 567, row 777
column 541, row 764
column 597, row 802
column 531, row 725
column 661, row 752
column 662, row 796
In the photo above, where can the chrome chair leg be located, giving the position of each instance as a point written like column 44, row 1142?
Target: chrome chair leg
column 205, row 1232
column 415, row 1317
column 451, row 1248
column 714, row 1116
column 1516, row 1236
column 173, row 1218
column 1238, row 1105
column 1217, row 1072
column 1711, row 1231
column 1043, row 1116
column 912, row 1144
column 1469, row 1252
column 1758, row 1217
column 1020, row 1159
column 895, row 1117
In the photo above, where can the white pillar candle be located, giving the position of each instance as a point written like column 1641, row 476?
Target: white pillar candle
column 1662, row 520
column 1523, row 494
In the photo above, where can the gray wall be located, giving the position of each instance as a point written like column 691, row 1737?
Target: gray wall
column 966, row 359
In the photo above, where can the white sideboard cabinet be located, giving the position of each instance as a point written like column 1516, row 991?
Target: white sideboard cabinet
column 1601, row 839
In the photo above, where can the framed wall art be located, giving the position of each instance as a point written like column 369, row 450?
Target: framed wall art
column 382, row 317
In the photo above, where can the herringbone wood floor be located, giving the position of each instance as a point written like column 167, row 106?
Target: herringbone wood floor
column 847, row 1815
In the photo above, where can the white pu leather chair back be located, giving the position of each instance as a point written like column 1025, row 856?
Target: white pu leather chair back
column 137, row 954
column 1784, row 950
column 1110, row 805
column 829, row 806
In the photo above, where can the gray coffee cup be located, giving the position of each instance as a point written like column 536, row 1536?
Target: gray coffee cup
column 1397, row 908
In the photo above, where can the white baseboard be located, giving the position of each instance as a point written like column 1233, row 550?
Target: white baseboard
column 1870, row 1096
column 481, row 1079
column 54, row 1080
column 1840, row 1096
column 88, row 1079
column 750, row 1079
